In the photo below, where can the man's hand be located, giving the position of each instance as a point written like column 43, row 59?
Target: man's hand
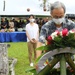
column 38, row 52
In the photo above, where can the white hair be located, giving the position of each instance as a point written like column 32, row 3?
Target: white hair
column 57, row 5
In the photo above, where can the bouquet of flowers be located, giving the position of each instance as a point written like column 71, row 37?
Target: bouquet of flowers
column 65, row 38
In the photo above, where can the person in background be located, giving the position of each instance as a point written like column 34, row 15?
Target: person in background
column 58, row 22
column 15, row 24
column 3, row 24
column 32, row 32
column 7, row 22
column 11, row 26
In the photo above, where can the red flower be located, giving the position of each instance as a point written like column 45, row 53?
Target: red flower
column 48, row 43
column 65, row 32
column 49, row 38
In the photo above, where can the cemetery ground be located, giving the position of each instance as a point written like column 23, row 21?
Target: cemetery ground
column 19, row 51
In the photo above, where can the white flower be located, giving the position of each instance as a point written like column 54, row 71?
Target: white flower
column 61, row 33
column 71, row 31
column 53, row 35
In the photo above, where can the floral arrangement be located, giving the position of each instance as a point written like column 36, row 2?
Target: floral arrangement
column 65, row 38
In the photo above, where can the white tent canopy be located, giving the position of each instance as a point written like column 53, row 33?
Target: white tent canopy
column 19, row 7
column 26, row 13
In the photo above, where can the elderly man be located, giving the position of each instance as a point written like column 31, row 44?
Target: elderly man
column 58, row 22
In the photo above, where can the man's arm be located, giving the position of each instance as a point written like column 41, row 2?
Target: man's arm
column 38, row 52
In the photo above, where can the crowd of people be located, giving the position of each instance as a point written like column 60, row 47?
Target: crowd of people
column 19, row 24
column 30, row 25
column 12, row 24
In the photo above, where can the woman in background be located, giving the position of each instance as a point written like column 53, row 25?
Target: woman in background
column 11, row 26
column 32, row 32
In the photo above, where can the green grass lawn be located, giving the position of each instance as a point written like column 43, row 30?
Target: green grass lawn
column 19, row 50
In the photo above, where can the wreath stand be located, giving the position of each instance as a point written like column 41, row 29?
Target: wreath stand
column 61, row 55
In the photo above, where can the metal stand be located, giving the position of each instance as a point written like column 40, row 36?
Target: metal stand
column 62, row 56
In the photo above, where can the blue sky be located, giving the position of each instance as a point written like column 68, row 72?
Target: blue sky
column 34, row 5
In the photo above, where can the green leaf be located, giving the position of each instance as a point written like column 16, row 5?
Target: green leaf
column 32, row 70
column 43, row 48
column 40, row 48
column 58, row 39
column 37, row 60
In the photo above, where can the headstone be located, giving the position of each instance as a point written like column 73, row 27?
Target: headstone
column 4, row 65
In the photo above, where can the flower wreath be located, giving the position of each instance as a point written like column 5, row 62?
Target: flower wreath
column 65, row 38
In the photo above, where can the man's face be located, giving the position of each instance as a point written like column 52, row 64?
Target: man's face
column 57, row 13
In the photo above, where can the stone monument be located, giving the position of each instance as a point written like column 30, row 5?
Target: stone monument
column 4, row 65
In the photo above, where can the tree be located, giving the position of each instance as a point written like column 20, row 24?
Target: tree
column 45, row 4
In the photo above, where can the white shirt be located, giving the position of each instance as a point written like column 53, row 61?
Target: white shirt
column 32, row 31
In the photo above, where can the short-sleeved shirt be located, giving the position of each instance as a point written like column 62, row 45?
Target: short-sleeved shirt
column 50, row 27
column 32, row 31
